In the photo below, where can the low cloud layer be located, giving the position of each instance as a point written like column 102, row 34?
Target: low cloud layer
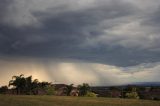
column 78, row 72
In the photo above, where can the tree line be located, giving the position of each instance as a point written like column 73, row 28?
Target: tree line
column 22, row 85
column 29, row 86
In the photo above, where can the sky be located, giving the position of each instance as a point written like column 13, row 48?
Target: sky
column 100, row 42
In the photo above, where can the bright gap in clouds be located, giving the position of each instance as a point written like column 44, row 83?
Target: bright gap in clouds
column 78, row 72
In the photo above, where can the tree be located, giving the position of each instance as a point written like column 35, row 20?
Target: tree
column 83, row 89
column 132, row 93
column 25, row 85
column 3, row 89
column 18, row 82
column 50, row 90
column 35, row 86
column 44, row 84
column 28, row 85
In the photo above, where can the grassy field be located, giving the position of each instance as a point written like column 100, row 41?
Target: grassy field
column 8, row 100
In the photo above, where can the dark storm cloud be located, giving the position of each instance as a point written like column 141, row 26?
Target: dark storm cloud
column 153, row 19
column 3, row 6
column 68, row 32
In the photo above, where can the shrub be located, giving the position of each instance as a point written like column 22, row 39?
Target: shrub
column 90, row 94
column 3, row 89
column 50, row 90
column 132, row 95
column 83, row 89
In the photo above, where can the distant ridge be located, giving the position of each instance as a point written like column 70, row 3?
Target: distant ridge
column 146, row 83
column 135, row 83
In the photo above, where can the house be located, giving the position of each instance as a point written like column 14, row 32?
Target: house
column 60, row 89
column 74, row 92
column 41, row 92
column 152, row 94
column 115, row 93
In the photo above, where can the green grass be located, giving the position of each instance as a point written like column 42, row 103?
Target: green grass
column 10, row 100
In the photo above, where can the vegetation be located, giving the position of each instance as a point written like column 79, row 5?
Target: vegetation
column 25, row 85
column 83, row 89
column 90, row 94
column 132, row 93
column 49, row 90
column 19, row 82
column 3, row 89
column 12, row 100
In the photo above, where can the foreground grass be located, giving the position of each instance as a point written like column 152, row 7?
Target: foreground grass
column 10, row 100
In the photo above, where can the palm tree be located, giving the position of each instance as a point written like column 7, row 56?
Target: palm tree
column 28, row 84
column 44, row 84
column 35, row 86
column 25, row 85
column 18, row 82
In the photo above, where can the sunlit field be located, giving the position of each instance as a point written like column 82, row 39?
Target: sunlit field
column 10, row 100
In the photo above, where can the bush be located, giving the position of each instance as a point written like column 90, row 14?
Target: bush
column 50, row 90
column 83, row 89
column 90, row 94
column 3, row 89
column 132, row 95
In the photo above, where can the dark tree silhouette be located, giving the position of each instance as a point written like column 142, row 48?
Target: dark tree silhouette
column 28, row 84
column 18, row 82
column 3, row 89
column 25, row 85
column 83, row 89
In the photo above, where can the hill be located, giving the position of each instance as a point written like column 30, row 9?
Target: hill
column 146, row 83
